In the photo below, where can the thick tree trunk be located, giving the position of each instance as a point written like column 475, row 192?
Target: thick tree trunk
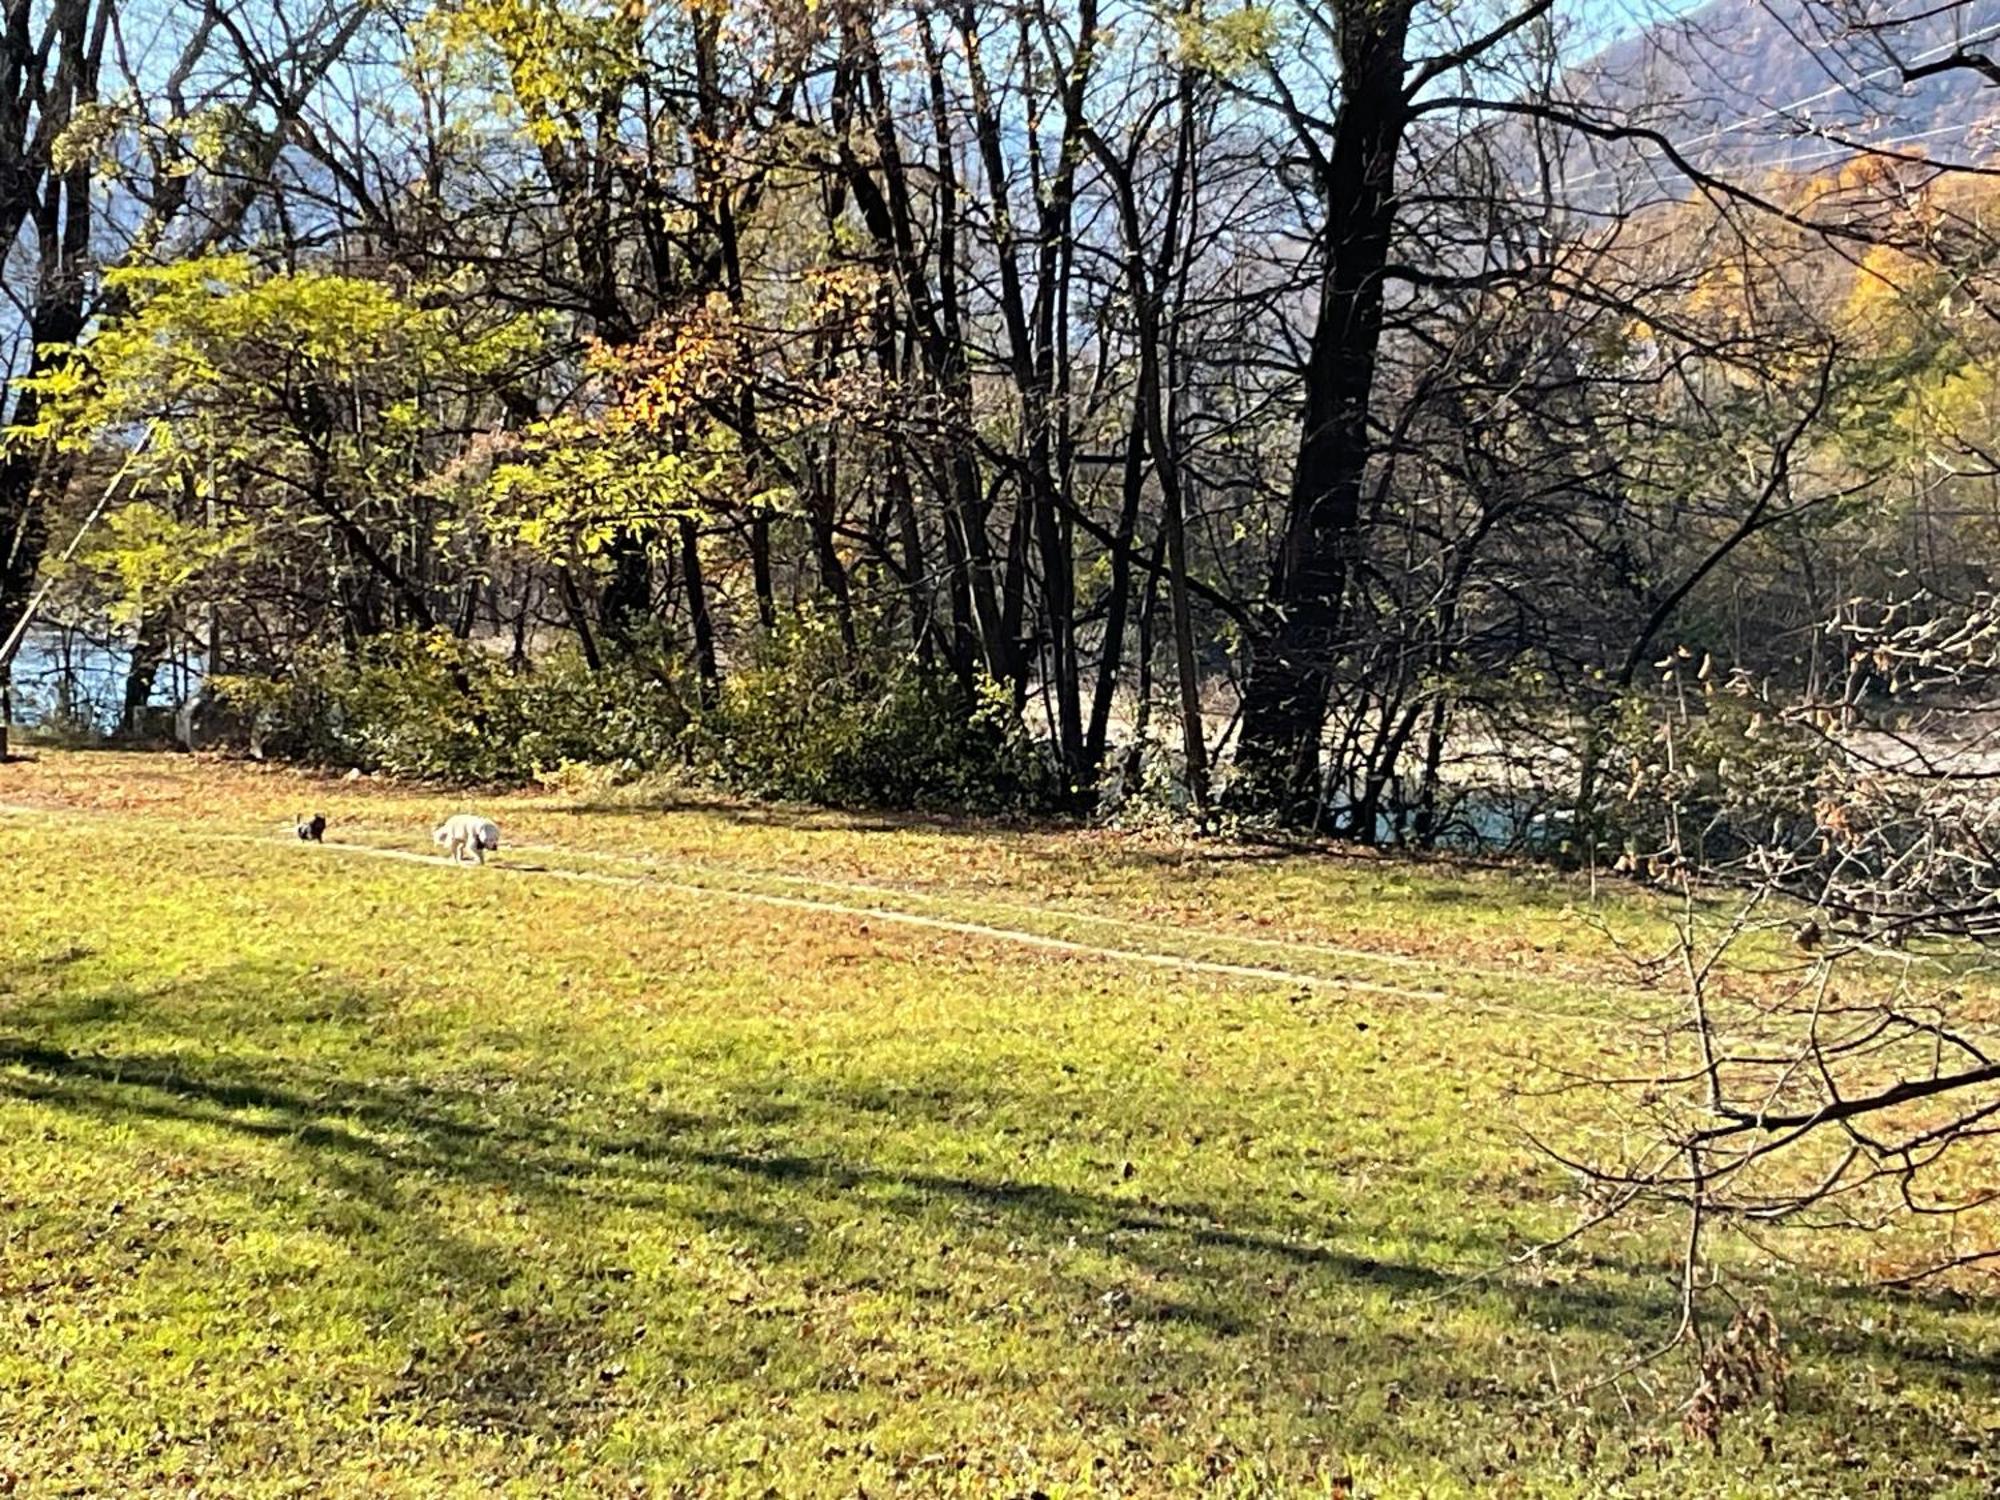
column 58, row 209
column 1118, row 596
column 149, row 649
column 698, row 616
column 1292, row 665
column 23, row 541
column 30, row 474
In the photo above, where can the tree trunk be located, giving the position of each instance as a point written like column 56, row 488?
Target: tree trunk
column 888, row 210
column 579, row 620
column 1292, row 665
column 698, row 616
column 149, row 649
column 1034, row 349
column 58, row 209
column 1147, row 285
column 1193, row 744
column 1142, row 714
column 1118, row 597
column 760, row 568
column 822, row 502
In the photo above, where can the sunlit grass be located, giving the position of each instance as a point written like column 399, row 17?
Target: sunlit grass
column 336, row 1174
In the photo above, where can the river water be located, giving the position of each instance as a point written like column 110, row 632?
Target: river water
column 65, row 679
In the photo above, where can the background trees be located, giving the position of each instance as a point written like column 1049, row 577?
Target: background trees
column 1345, row 404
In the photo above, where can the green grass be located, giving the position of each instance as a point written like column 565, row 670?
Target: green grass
column 334, row 1174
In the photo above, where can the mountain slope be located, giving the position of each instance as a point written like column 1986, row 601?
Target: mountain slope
column 1777, row 84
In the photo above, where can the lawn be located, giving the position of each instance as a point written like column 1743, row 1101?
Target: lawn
column 696, row 1149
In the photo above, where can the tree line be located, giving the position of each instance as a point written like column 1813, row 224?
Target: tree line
column 1366, row 391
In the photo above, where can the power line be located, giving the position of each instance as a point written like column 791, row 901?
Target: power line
column 1779, row 111
column 27, row 620
column 1833, row 150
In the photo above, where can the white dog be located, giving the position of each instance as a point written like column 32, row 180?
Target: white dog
column 464, row 834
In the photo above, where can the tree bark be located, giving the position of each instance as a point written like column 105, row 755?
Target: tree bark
column 888, row 211
column 149, row 649
column 1293, row 662
column 698, row 616
column 1147, row 285
column 1034, row 348
column 58, row 208
column 1118, row 596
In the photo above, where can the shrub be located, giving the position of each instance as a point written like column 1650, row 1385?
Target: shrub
column 431, row 707
column 806, row 719
column 1719, row 770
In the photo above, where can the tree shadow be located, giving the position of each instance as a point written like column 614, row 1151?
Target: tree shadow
column 373, row 1133
column 779, row 1177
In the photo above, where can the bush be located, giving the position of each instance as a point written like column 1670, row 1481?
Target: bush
column 804, row 719
column 807, row 720
column 431, row 707
column 1716, row 772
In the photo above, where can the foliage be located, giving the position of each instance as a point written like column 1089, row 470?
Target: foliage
column 284, row 408
column 146, row 559
column 802, row 721
column 231, row 364
column 430, row 707
column 808, row 721
column 576, row 483
column 555, row 64
column 1230, row 43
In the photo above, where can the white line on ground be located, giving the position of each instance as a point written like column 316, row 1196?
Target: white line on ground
column 1070, row 914
column 1021, row 937
column 1017, row 936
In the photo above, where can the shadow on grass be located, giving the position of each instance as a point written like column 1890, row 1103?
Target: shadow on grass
column 417, row 1128
column 785, row 1180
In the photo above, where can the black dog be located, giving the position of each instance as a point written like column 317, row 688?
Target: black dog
column 314, row 829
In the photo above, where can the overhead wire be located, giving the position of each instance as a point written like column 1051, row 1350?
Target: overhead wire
column 1782, row 111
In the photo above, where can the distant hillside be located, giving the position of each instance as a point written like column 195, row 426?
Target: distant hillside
column 1757, row 84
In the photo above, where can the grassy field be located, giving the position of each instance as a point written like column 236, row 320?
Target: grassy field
column 692, row 1149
